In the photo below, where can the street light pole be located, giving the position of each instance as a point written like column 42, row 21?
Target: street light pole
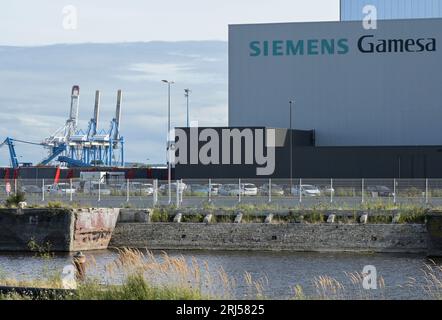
column 291, row 102
column 186, row 94
column 169, row 170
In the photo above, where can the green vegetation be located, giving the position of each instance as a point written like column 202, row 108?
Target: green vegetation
column 192, row 218
column 14, row 199
column 136, row 287
column 415, row 215
column 161, row 215
column 57, row 205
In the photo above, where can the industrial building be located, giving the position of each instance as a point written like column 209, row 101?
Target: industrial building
column 371, row 98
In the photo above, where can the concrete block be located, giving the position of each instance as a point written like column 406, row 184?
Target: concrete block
column 141, row 216
column 238, row 218
column 178, row 218
column 126, row 215
column 269, row 218
column 364, row 218
column 331, row 218
column 208, row 218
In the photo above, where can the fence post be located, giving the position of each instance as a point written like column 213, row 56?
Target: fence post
column 300, row 190
column 394, row 191
column 239, row 190
column 362, row 189
column 182, row 192
column 99, row 190
column 426, row 191
column 127, row 190
column 270, row 190
column 155, row 192
column 331, row 190
column 43, row 190
column 15, row 186
column 210, row 190
column 178, row 184
column 71, row 192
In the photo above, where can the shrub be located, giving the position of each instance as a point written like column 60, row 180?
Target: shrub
column 160, row 215
column 193, row 218
column 14, row 199
column 56, row 205
column 413, row 215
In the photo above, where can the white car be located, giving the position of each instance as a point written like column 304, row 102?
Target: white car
column 307, row 190
column 249, row 189
column 147, row 188
column 62, row 188
column 215, row 188
column 143, row 188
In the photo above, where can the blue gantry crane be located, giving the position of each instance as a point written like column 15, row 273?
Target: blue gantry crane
column 73, row 147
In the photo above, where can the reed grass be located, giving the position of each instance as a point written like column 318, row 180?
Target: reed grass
column 141, row 275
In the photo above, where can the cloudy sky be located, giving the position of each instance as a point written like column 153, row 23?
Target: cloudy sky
column 47, row 46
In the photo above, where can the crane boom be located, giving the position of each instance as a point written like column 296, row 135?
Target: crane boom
column 12, row 154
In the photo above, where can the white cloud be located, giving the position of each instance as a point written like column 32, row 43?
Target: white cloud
column 178, row 72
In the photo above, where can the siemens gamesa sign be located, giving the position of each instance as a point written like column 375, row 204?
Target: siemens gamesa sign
column 365, row 44
column 354, row 87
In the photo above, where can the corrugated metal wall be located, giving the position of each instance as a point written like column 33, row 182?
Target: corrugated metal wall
column 392, row 9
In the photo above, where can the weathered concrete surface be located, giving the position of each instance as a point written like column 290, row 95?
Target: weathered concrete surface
column 56, row 229
column 434, row 233
column 18, row 227
column 134, row 215
column 93, row 228
column 410, row 238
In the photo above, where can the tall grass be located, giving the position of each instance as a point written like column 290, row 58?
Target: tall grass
column 139, row 275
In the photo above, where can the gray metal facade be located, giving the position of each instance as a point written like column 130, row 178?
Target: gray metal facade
column 351, row 10
column 349, row 97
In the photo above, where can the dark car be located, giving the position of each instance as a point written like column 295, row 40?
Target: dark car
column 381, row 191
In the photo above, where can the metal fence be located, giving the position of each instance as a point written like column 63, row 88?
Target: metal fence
column 283, row 193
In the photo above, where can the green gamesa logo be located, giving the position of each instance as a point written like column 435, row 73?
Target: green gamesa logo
column 309, row 47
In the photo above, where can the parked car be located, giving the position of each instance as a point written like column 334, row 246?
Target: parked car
column 173, row 186
column 147, row 189
column 249, row 189
column 198, row 189
column 380, row 191
column 31, row 189
column 327, row 190
column 95, row 188
column 307, row 190
column 215, row 188
column 138, row 187
column 229, row 190
column 246, row 189
column 275, row 189
column 61, row 188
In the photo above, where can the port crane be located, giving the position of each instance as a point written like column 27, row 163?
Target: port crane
column 75, row 148
column 10, row 142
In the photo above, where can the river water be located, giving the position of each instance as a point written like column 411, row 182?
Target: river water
column 400, row 276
